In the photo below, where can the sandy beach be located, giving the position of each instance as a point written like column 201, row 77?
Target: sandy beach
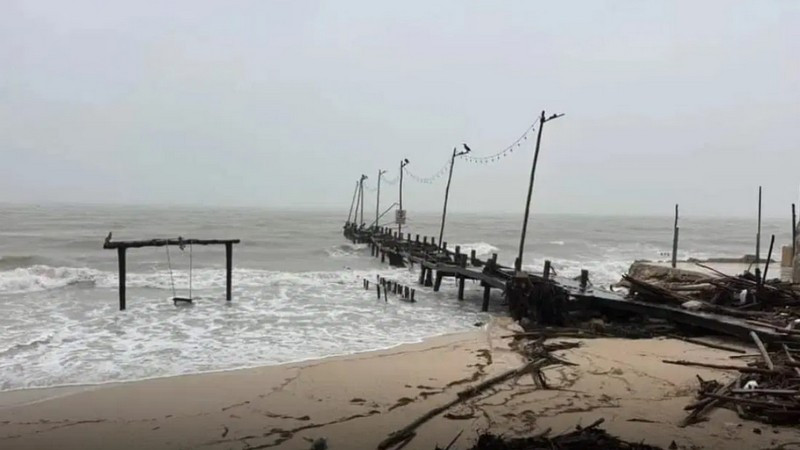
column 354, row 402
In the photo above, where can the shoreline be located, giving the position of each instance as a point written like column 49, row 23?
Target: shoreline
column 356, row 401
column 27, row 396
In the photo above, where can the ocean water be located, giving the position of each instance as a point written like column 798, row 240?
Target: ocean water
column 297, row 284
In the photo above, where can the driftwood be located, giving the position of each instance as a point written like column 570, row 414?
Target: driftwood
column 707, row 344
column 705, row 405
column 763, row 350
column 721, row 367
column 408, row 432
column 582, row 438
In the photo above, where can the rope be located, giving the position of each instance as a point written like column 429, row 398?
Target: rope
column 190, row 270
column 171, row 278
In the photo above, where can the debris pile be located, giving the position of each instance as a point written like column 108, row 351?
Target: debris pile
column 767, row 389
column 771, row 303
column 581, row 438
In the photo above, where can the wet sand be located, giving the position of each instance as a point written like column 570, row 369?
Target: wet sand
column 354, row 402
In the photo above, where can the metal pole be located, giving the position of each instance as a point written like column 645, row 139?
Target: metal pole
column 358, row 201
column 794, row 232
column 403, row 163
column 378, row 201
column 363, row 177
column 675, row 239
column 447, row 191
column 758, row 235
column 352, row 202
column 542, row 121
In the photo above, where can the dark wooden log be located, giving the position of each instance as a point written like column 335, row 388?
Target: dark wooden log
column 429, row 278
column 422, row 270
column 584, row 279
column 472, row 257
column 461, row 283
column 546, row 271
column 763, row 350
column 438, row 283
column 722, row 367
column 486, row 294
column 162, row 242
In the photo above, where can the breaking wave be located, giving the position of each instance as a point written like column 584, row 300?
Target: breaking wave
column 482, row 249
column 345, row 250
column 41, row 278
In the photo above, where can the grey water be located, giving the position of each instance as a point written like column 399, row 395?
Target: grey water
column 297, row 284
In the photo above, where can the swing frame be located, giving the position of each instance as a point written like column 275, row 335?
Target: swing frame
column 123, row 246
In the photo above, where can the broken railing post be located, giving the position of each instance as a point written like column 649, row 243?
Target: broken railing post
column 121, row 260
column 472, row 257
column 546, row 273
column 584, row 279
column 769, row 257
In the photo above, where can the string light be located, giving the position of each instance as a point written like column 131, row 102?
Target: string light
column 430, row 179
column 502, row 153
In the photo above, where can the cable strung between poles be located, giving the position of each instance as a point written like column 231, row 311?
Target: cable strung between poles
column 504, row 152
column 429, row 180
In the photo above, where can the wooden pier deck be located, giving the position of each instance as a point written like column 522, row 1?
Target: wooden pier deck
column 524, row 291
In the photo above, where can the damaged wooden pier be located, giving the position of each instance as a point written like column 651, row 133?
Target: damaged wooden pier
column 123, row 246
column 541, row 297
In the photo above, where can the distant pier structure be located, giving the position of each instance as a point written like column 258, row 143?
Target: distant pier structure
column 123, row 246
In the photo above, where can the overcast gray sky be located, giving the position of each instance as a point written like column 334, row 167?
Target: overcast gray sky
column 286, row 103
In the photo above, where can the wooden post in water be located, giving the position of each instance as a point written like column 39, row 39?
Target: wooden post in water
column 542, row 121
column 546, row 273
column 675, row 239
column 121, row 262
column 486, row 294
column 429, row 278
column 458, row 255
column 460, row 286
column 584, row 279
column 228, row 270
column 472, row 256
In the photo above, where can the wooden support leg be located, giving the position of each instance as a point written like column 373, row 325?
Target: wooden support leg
column 228, row 270
column 422, row 274
column 438, row 281
column 429, row 278
column 378, row 288
column 383, row 257
column 461, row 287
column 486, row 293
column 121, row 260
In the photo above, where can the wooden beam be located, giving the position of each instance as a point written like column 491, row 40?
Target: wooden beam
column 163, row 242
